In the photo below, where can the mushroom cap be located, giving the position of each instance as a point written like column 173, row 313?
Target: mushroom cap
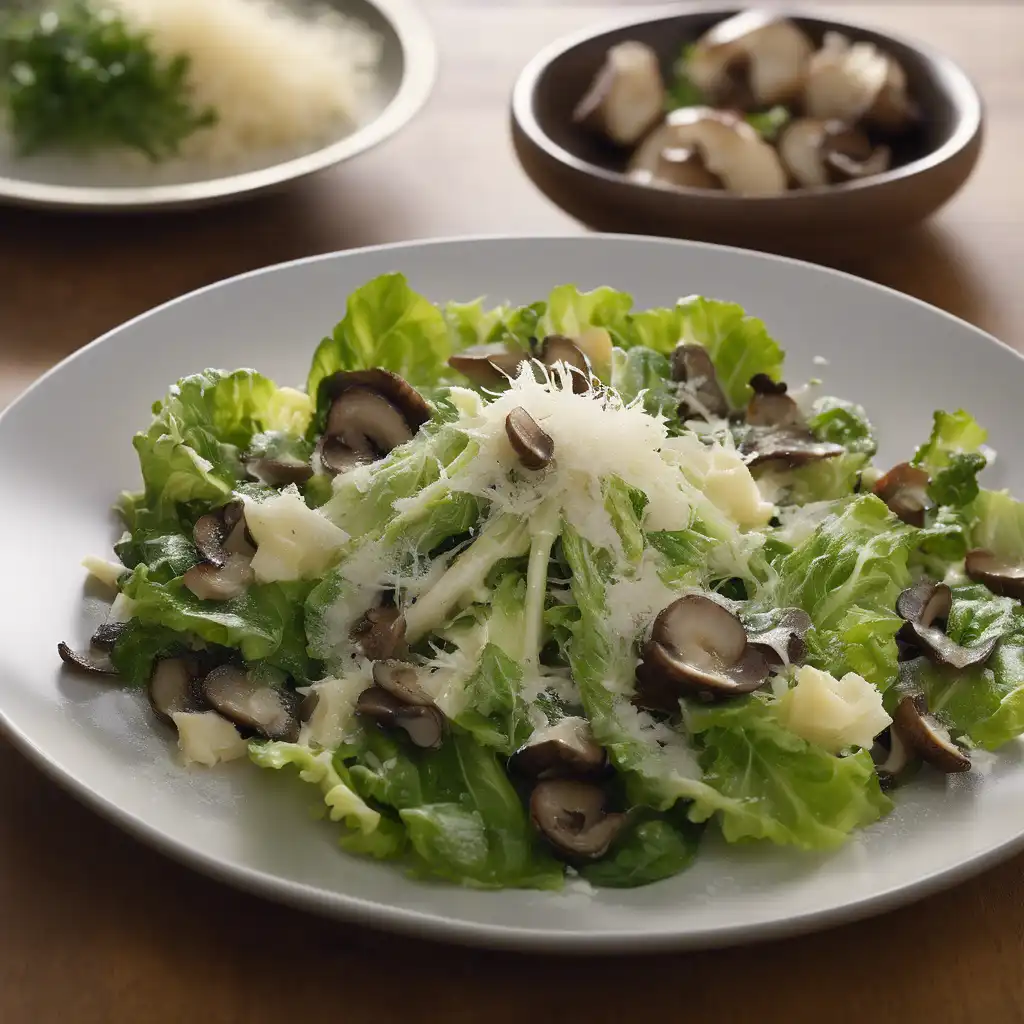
column 784, row 642
column 268, row 710
column 399, row 678
column 212, row 532
column 400, row 393
column 100, row 666
column 423, row 723
column 700, row 648
column 893, row 109
column 531, row 443
column 905, row 490
column 557, row 348
column 488, row 366
column 772, row 51
column 730, row 149
column 657, row 161
column 380, row 633
column 279, row 471
column 893, row 760
column 848, row 154
column 107, row 634
column 844, row 79
column 924, row 605
column 800, row 147
column 626, row 96
column 567, row 748
column 172, row 688
column 572, row 816
column 924, row 735
column 367, row 422
column 691, row 364
column 231, row 580
column 926, row 602
column 1000, row 576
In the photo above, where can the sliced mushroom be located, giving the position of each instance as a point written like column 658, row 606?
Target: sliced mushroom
column 380, row 633
column 173, row 688
column 753, row 54
column 399, row 679
column 893, row 109
column 268, row 710
column 488, row 366
column 701, row 649
column 790, row 447
column 729, row 148
column 334, row 456
column 658, row 161
column 573, row 817
column 1001, row 577
column 556, row 348
column 423, row 723
column 844, row 80
column 626, row 97
column 784, row 642
column 231, row 580
column 905, row 490
column 279, row 471
column 96, row 664
column 923, row 734
column 371, row 412
column 770, row 406
column 818, row 152
column 567, row 748
column 926, row 606
column 892, row 757
column 692, row 365
column 529, row 440
column 213, row 529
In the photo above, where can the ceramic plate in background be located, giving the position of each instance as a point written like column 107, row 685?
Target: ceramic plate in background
column 404, row 79
column 252, row 827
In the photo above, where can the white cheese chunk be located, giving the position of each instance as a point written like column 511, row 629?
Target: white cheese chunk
column 293, row 541
column 105, row 571
column 206, row 738
column 833, row 713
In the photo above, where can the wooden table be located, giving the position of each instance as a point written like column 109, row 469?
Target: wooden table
column 97, row 928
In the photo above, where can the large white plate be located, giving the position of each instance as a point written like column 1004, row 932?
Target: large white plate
column 65, row 451
column 405, row 76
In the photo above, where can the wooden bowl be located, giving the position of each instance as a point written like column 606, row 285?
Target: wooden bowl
column 586, row 178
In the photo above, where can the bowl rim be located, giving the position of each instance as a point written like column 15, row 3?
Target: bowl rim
column 419, row 70
column 964, row 96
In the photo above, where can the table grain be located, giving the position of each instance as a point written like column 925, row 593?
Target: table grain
column 98, row 929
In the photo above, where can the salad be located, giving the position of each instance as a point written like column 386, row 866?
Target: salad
column 554, row 589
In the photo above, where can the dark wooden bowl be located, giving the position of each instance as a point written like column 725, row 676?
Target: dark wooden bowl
column 585, row 177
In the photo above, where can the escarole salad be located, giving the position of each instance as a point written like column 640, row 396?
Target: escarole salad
column 548, row 588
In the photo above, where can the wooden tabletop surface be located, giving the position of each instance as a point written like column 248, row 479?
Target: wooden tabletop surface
column 95, row 927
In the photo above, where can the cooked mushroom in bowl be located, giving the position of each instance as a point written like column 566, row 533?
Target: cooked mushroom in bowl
column 744, row 126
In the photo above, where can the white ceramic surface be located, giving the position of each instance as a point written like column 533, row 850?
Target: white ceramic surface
column 405, row 77
column 251, row 827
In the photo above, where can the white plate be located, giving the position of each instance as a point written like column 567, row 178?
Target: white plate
column 65, row 452
column 405, row 76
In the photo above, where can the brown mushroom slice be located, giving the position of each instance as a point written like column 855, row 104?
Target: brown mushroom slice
column 692, row 365
column 818, row 152
column 280, row 471
column 844, row 79
column 367, row 423
column 923, row 734
column 1000, row 576
column 96, row 665
column 573, row 817
column 764, row 54
column 848, row 154
column 556, row 348
column 334, row 455
column 627, row 95
column 268, row 710
column 531, row 443
column 172, row 688
column 488, row 366
column 701, row 649
column 399, row 678
column 210, row 583
column 925, row 605
column 213, row 529
column 567, row 748
column 423, row 723
column 396, row 390
column 905, row 490
column 893, row 760
column 380, row 633
column 657, row 161
column 784, row 643
column 791, row 446
column 770, row 406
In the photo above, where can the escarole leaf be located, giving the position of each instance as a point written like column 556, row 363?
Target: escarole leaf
column 775, row 785
column 952, row 458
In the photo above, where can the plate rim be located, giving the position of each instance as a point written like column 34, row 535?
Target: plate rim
column 415, row 923
column 419, row 51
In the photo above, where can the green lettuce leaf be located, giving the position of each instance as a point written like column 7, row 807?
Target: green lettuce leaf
column 570, row 311
column 138, row 647
column 642, row 371
column 777, row 786
column 998, row 524
column 952, row 458
column 464, row 820
column 841, row 422
column 265, row 623
column 386, row 324
column 496, row 714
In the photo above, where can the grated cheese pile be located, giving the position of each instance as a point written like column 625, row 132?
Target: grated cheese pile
column 277, row 78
